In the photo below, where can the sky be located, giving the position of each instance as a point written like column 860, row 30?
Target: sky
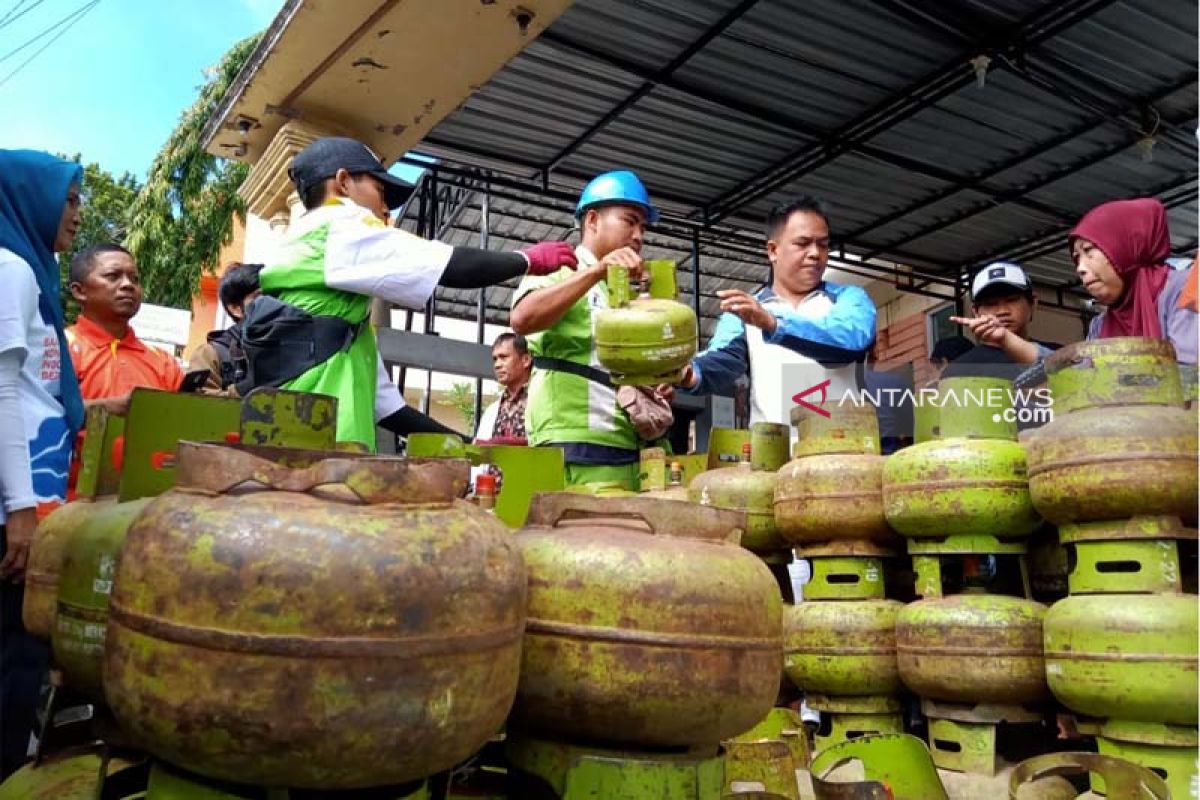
column 113, row 85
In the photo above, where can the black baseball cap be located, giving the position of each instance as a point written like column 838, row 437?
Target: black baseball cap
column 324, row 157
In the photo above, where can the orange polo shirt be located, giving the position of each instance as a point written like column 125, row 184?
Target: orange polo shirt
column 109, row 367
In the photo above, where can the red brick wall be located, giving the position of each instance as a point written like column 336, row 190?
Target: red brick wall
column 905, row 342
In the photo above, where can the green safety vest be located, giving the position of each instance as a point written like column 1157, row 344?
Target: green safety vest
column 299, row 278
column 564, row 407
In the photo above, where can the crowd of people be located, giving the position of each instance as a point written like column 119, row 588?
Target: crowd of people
column 301, row 322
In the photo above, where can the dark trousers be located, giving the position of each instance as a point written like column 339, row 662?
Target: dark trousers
column 24, row 660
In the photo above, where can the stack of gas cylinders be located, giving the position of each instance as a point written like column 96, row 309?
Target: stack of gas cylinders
column 840, row 646
column 971, row 648
column 1116, row 472
column 323, row 620
column 263, row 616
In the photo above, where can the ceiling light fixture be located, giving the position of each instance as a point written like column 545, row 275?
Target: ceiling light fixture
column 1145, row 146
column 980, row 64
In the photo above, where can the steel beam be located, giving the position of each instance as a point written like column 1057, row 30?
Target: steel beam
column 431, row 223
column 782, row 120
column 481, row 301
column 1175, row 193
column 976, row 182
column 979, row 208
column 435, row 354
column 456, row 198
column 696, row 275
column 1038, row 27
column 668, row 225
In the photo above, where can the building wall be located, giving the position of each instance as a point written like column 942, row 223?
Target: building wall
column 905, row 343
column 902, row 331
column 1057, row 326
column 206, row 309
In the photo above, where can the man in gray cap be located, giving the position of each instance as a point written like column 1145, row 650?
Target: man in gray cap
column 310, row 331
column 1002, row 302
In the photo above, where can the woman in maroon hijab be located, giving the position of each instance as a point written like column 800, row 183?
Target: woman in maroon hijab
column 1120, row 250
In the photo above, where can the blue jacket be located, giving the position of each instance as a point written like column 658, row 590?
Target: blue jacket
column 841, row 337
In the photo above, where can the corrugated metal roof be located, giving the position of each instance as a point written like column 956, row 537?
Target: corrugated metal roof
column 727, row 107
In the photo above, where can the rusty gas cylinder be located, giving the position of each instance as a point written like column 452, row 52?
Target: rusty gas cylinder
column 959, row 486
column 971, row 480
column 833, row 489
column 88, row 568
column 973, row 648
column 842, row 648
column 44, row 569
column 849, row 429
column 660, row 479
column 314, row 619
column 1125, row 656
column 725, row 446
column 632, row 638
column 76, row 774
column 1120, row 444
column 747, row 490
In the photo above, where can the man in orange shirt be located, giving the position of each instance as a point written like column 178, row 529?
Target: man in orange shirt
column 108, row 357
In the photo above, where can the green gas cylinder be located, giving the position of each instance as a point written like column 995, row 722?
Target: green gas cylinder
column 648, row 338
column 88, row 568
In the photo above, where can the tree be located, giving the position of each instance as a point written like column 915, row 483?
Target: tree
column 184, row 213
column 106, row 203
column 462, row 398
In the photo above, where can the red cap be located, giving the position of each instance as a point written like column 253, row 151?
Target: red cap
column 485, row 483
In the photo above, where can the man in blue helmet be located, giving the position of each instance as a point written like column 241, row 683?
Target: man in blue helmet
column 572, row 403
column 819, row 329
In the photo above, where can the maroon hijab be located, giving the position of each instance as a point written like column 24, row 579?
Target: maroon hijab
column 1133, row 235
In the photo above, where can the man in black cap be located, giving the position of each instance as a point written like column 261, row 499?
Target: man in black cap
column 310, row 331
column 1003, row 303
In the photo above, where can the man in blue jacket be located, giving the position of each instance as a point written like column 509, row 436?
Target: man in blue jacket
column 800, row 319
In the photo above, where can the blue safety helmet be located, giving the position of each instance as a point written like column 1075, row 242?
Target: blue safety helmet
column 616, row 188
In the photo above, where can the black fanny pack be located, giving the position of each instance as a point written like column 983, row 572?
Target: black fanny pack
column 282, row 342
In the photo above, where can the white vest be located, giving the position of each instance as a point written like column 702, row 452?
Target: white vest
column 770, row 399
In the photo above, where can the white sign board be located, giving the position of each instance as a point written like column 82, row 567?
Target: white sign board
column 162, row 324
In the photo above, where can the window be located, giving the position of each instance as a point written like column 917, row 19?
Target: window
column 939, row 325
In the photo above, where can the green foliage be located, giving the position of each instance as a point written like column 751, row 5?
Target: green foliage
column 184, row 213
column 462, row 398
column 106, row 203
